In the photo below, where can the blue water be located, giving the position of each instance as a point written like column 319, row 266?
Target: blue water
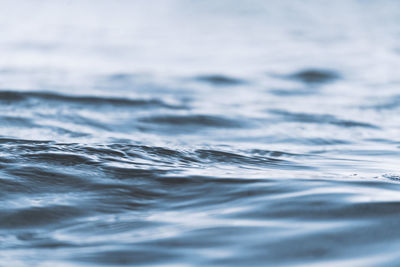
column 199, row 133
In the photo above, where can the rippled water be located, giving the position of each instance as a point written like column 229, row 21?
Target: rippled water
column 199, row 133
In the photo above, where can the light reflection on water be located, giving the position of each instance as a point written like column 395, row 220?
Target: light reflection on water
column 199, row 133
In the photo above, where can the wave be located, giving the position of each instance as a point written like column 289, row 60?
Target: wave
column 314, row 76
column 320, row 119
column 13, row 97
column 193, row 121
column 220, row 80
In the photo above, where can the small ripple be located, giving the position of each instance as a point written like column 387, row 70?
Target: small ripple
column 222, row 157
column 389, row 104
column 127, row 257
column 220, row 80
column 193, row 120
column 39, row 216
column 314, row 76
column 38, row 179
column 291, row 92
column 10, row 97
column 59, row 158
column 121, row 77
column 321, row 141
column 13, row 141
column 16, row 121
column 320, row 119
column 393, row 177
column 228, row 157
column 274, row 153
column 131, row 173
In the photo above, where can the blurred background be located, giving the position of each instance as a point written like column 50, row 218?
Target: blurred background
column 44, row 42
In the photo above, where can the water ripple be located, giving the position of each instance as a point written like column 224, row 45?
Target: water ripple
column 199, row 133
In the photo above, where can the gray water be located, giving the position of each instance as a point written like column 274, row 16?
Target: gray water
column 199, row 133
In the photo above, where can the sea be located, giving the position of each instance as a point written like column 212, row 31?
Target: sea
column 199, row 133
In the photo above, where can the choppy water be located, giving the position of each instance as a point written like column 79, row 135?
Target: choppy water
column 199, row 133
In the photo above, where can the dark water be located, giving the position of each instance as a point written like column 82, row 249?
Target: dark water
column 195, row 133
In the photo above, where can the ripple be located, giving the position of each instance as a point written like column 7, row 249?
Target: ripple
column 320, row 119
column 393, row 177
column 10, row 97
column 34, row 217
column 314, row 76
column 193, row 121
column 127, row 257
column 220, row 80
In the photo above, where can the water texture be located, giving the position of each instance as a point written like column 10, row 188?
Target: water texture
column 199, row 133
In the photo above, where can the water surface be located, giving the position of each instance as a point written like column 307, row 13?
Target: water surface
column 187, row 133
